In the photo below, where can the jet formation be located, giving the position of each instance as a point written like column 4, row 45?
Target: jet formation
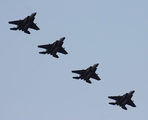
column 54, row 48
column 25, row 24
column 123, row 100
column 88, row 73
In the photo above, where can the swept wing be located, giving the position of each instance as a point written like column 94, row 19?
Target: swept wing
column 79, row 71
column 95, row 76
column 131, row 103
column 16, row 22
column 34, row 26
column 62, row 50
column 45, row 46
column 115, row 97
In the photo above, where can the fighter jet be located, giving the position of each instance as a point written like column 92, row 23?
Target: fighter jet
column 54, row 48
column 123, row 100
column 24, row 24
column 88, row 73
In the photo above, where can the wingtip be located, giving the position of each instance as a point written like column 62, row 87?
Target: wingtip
column 9, row 22
column 39, row 46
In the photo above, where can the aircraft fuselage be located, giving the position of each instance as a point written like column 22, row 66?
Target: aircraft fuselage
column 56, row 45
column 126, row 97
column 90, row 70
column 27, row 22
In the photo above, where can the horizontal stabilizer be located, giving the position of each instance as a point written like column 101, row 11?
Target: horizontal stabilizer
column 13, row 28
column 27, row 32
column 112, row 103
column 88, row 81
column 124, row 107
column 42, row 52
column 56, row 56
column 76, row 77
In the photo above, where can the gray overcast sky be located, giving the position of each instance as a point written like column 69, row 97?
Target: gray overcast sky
column 112, row 33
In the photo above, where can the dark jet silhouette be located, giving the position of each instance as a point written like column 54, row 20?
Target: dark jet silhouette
column 54, row 48
column 123, row 100
column 26, row 23
column 87, row 73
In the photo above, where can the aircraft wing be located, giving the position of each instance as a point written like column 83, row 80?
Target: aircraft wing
column 16, row 22
column 45, row 46
column 95, row 76
column 79, row 71
column 115, row 97
column 131, row 103
column 34, row 26
column 62, row 50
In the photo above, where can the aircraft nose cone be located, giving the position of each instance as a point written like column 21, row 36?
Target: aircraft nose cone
column 34, row 13
column 62, row 39
column 96, row 64
column 132, row 91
